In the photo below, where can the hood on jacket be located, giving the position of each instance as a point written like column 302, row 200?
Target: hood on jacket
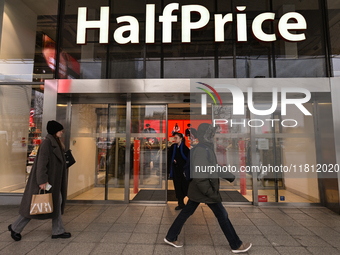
column 205, row 134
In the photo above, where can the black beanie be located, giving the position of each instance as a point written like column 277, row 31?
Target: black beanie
column 54, row 127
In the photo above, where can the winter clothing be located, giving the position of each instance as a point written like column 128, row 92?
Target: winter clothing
column 49, row 166
column 205, row 189
column 53, row 127
column 180, row 183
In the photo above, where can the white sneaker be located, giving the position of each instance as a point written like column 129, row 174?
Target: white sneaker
column 174, row 243
column 243, row 248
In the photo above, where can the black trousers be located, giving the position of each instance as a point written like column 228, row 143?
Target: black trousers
column 181, row 185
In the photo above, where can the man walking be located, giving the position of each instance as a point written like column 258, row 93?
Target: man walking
column 205, row 189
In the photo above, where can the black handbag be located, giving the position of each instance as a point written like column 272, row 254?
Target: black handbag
column 69, row 158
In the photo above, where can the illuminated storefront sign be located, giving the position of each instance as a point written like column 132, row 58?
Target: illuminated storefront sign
column 288, row 24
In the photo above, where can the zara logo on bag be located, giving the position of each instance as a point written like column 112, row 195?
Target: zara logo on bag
column 41, row 208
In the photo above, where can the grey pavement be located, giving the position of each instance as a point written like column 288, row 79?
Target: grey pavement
column 140, row 229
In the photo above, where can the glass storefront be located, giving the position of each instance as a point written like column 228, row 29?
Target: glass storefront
column 38, row 44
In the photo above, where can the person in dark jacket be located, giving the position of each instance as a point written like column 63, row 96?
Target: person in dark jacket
column 205, row 189
column 49, row 168
column 177, row 157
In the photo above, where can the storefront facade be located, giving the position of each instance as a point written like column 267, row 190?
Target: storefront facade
column 122, row 76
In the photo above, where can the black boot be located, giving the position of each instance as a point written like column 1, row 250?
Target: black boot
column 16, row 236
column 180, row 206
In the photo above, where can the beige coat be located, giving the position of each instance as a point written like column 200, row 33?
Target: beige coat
column 49, row 166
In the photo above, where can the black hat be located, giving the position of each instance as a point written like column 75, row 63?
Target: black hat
column 53, row 127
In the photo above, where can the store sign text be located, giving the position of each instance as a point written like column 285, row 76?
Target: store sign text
column 238, row 100
column 288, row 24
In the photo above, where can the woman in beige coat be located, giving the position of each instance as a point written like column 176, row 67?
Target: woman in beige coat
column 49, row 168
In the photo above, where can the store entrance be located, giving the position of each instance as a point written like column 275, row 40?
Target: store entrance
column 113, row 164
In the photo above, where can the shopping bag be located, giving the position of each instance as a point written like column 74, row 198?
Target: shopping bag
column 69, row 158
column 41, row 203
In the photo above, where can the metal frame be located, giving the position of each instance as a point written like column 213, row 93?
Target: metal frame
column 335, row 92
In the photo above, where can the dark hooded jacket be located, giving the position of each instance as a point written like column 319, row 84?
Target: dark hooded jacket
column 205, row 189
column 49, row 166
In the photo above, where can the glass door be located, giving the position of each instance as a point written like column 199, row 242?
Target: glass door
column 148, row 153
column 232, row 147
column 97, row 141
column 285, row 156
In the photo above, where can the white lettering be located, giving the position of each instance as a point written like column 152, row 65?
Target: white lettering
column 284, row 26
column 262, row 112
column 289, row 21
column 187, row 25
column 133, row 28
column 297, row 101
column 150, row 24
column 102, row 24
column 241, row 24
column 219, row 26
column 257, row 27
column 167, row 20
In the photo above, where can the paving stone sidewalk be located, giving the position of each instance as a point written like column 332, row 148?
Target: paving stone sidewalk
column 138, row 230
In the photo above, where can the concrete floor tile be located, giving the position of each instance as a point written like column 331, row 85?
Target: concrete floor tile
column 89, row 237
column 113, row 237
column 47, row 248
column 223, row 250
column 37, row 235
column 256, row 215
column 146, row 228
column 292, row 250
column 19, row 248
column 219, row 240
column 167, row 220
column 287, row 222
column 198, row 249
column 282, row 240
column 105, row 220
column 76, row 226
column 127, row 219
column 311, row 223
column 323, row 250
column 140, row 249
column 196, row 239
column 258, row 240
column 4, row 244
column 108, row 248
column 163, row 229
column 263, row 222
column 164, row 249
column 123, row 228
column 298, row 230
column 251, row 209
column 311, row 241
column 247, row 230
column 196, row 229
column 196, row 221
column 215, row 230
column 78, row 249
column 271, row 230
column 142, row 238
column 242, row 222
column 300, row 216
column 150, row 219
column 154, row 211
column 291, row 210
column 98, row 227
column 262, row 250
column 63, row 240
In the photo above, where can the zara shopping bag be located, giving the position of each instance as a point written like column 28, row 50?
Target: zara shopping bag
column 41, row 203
